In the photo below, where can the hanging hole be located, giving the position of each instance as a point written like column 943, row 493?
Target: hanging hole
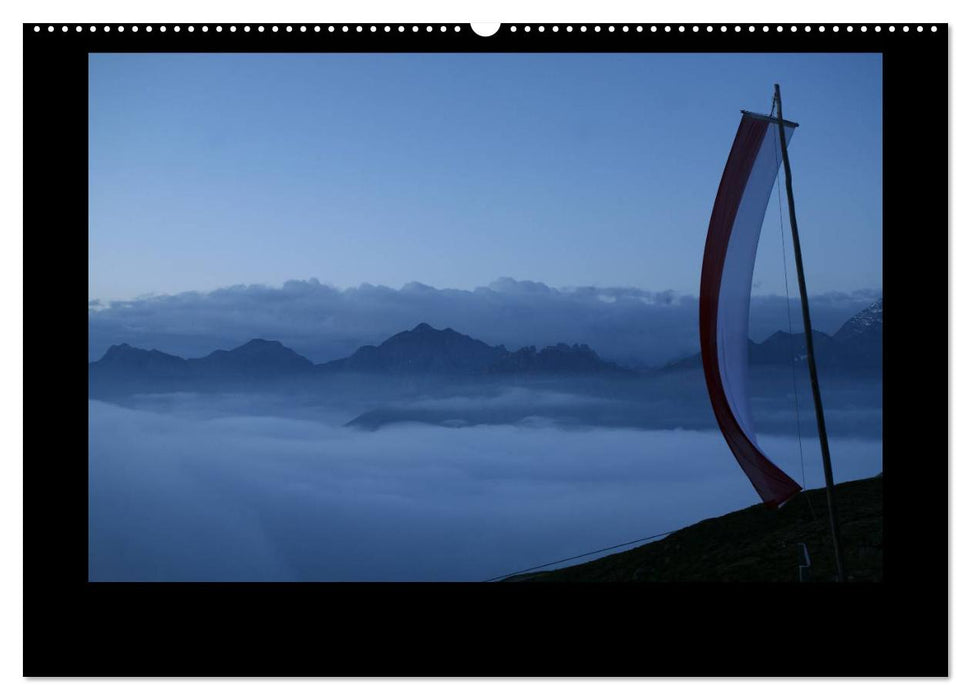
column 485, row 29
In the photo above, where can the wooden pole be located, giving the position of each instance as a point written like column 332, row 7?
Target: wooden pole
column 811, row 355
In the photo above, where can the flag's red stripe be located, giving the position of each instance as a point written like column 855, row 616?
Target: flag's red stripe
column 771, row 483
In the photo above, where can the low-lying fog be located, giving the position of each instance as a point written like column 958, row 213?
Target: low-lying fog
column 440, row 487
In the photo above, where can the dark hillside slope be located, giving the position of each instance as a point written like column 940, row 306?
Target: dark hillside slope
column 754, row 544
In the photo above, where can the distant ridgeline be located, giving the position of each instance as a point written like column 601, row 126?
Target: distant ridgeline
column 422, row 350
column 425, row 350
column 857, row 345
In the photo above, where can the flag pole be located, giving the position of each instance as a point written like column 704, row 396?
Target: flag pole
column 810, row 354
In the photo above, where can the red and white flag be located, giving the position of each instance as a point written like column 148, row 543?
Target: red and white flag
column 726, row 290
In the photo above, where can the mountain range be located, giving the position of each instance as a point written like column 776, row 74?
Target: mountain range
column 856, row 345
column 424, row 350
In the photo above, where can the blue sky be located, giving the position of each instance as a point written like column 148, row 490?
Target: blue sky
column 209, row 170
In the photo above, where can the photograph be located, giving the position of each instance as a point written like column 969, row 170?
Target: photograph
column 424, row 317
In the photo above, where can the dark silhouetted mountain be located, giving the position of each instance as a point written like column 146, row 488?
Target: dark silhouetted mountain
column 124, row 369
column 858, row 344
column 783, row 348
column 555, row 359
column 861, row 338
column 868, row 324
column 422, row 350
column 257, row 358
column 124, row 359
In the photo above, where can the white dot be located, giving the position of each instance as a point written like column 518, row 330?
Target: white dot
column 626, row 28
column 850, row 28
column 317, row 28
column 64, row 28
column 836, row 29
column 527, row 28
column 50, row 28
column 681, row 28
column 765, row 28
column 863, row 28
column 738, row 28
column 275, row 28
column 877, row 28
column 667, row 27
column 583, row 29
column 387, row 28
column 543, row 29
column 373, row 28
column 289, row 28
column 596, row 29
column 443, row 28
column 360, row 28
column 121, row 29
column 920, row 29
column 162, row 28
column 246, row 28
column 260, row 28
column 710, row 28
column 808, row 28
column 303, row 28
column 512, row 29
column 344, row 28
column 822, row 28
column 569, row 28
column 108, row 29
column 792, row 28
column 751, row 28
column 219, row 28
column 77, row 28
column 893, row 29
column 232, row 28
column 556, row 29
column 414, row 28
column 400, row 28
column 906, row 29
column 778, row 28
column 458, row 28
column 36, row 28
column 934, row 29
column 176, row 28
column 610, row 28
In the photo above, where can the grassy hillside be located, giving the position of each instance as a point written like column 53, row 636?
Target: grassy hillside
column 755, row 544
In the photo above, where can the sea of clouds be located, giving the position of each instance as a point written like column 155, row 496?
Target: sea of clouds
column 192, row 488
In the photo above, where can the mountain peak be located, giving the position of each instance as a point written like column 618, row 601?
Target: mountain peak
column 254, row 357
column 865, row 325
column 120, row 348
column 261, row 345
column 423, row 349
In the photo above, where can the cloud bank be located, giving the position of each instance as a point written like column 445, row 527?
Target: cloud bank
column 628, row 325
column 203, row 491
